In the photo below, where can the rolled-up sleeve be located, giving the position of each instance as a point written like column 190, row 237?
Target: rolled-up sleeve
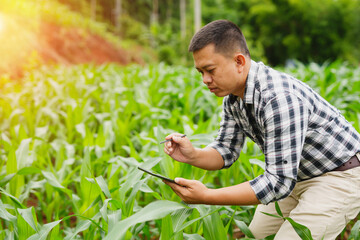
column 230, row 139
column 285, row 120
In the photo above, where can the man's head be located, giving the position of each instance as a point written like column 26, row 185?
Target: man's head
column 222, row 57
column 225, row 35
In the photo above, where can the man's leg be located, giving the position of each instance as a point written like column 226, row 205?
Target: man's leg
column 326, row 204
column 263, row 225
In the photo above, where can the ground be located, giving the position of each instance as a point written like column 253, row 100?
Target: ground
column 53, row 44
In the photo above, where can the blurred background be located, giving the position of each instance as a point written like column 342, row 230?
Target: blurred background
column 37, row 32
column 88, row 88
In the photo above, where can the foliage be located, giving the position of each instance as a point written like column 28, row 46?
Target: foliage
column 295, row 29
column 72, row 138
column 276, row 30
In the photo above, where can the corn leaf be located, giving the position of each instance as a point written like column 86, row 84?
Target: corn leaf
column 103, row 186
column 29, row 216
column 4, row 214
column 244, row 228
column 44, row 231
column 355, row 231
column 300, row 229
column 154, row 210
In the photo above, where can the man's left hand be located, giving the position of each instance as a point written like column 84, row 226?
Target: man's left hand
column 190, row 191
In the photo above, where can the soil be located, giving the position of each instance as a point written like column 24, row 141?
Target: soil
column 54, row 44
column 75, row 46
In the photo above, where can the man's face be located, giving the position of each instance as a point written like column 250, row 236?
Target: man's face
column 222, row 75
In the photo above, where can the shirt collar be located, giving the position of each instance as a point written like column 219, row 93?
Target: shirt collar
column 249, row 85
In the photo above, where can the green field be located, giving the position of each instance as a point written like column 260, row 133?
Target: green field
column 71, row 140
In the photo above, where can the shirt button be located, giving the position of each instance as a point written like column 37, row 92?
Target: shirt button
column 285, row 162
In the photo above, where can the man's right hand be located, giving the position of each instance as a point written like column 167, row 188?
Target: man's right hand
column 180, row 148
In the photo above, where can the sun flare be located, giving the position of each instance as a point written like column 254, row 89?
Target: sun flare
column 17, row 42
column 1, row 24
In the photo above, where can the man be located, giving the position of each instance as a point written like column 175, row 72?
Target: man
column 311, row 151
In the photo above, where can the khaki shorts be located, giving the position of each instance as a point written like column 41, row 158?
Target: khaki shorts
column 324, row 204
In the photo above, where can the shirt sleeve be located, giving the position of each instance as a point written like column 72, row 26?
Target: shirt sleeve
column 285, row 122
column 230, row 139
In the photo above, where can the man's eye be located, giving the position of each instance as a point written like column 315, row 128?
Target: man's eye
column 211, row 70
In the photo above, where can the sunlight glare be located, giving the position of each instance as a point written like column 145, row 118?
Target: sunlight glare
column 1, row 24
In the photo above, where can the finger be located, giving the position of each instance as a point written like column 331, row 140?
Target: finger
column 166, row 151
column 168, row 144
column 170, row 136
column 175, row 186
column 183, row 182
column 169, row 150
column 168, row 140
column 177, row 139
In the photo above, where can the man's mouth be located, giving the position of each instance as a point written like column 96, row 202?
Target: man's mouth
column 212, row 89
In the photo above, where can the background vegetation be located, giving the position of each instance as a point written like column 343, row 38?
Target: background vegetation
column 71, row 139
column 72, row 136
column 276, row 30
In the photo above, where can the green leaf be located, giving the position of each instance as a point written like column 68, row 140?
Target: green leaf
column 4, row 214
column 29, row 216
column 103, row 186
column 154, row 210
column 278, row 210
column 355, row 231
column 213, row 226
column 166, row 228
column 103, row 210
column 188, row 223
column 193, row 236
column 44, row 231
column 22, row 153
column 28, row 171
column 80, row 227
column 257, row 162
column 113, row 218
column 244, row 228
column 229, row 222
column 300, row 229
column 51, row 179
column 271, row 215
column 179, row 217
column 6, row 179
column 14, row 199
column 25, row 230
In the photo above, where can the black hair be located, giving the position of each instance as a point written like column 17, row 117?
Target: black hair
column 225, row 35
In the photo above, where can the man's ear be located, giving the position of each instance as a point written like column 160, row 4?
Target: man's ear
column 240, row 61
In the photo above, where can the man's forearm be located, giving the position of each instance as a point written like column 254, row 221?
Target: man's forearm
column 207, row 158
column 241, row 194
column 195, row 192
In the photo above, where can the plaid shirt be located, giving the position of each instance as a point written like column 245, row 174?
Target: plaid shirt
column 301, row 134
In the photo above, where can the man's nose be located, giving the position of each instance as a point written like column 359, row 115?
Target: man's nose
column 207, row 78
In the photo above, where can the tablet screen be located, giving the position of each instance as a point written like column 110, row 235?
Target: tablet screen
column 157, row 175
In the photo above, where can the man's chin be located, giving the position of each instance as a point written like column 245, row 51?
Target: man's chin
column 220, row 94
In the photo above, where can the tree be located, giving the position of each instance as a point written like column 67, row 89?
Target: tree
column 93, row 9
column 183, row 18
column 197, row 15
column 117, row 13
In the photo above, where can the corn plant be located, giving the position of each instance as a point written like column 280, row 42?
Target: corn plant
column 71, row 139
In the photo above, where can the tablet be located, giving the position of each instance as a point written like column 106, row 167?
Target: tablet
column 157, row 175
